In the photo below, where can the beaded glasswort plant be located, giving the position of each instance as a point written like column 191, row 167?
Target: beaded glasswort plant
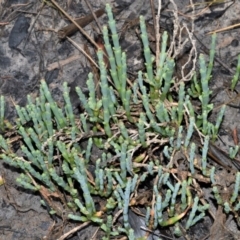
column 141, row 129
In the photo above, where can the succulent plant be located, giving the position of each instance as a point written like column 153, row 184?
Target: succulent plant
column 145, row 130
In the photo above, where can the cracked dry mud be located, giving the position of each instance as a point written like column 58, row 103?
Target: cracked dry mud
column 30, row 50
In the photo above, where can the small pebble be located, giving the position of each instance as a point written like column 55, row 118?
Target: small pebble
column 19, row 31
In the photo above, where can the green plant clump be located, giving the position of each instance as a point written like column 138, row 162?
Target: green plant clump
column 141, row 128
